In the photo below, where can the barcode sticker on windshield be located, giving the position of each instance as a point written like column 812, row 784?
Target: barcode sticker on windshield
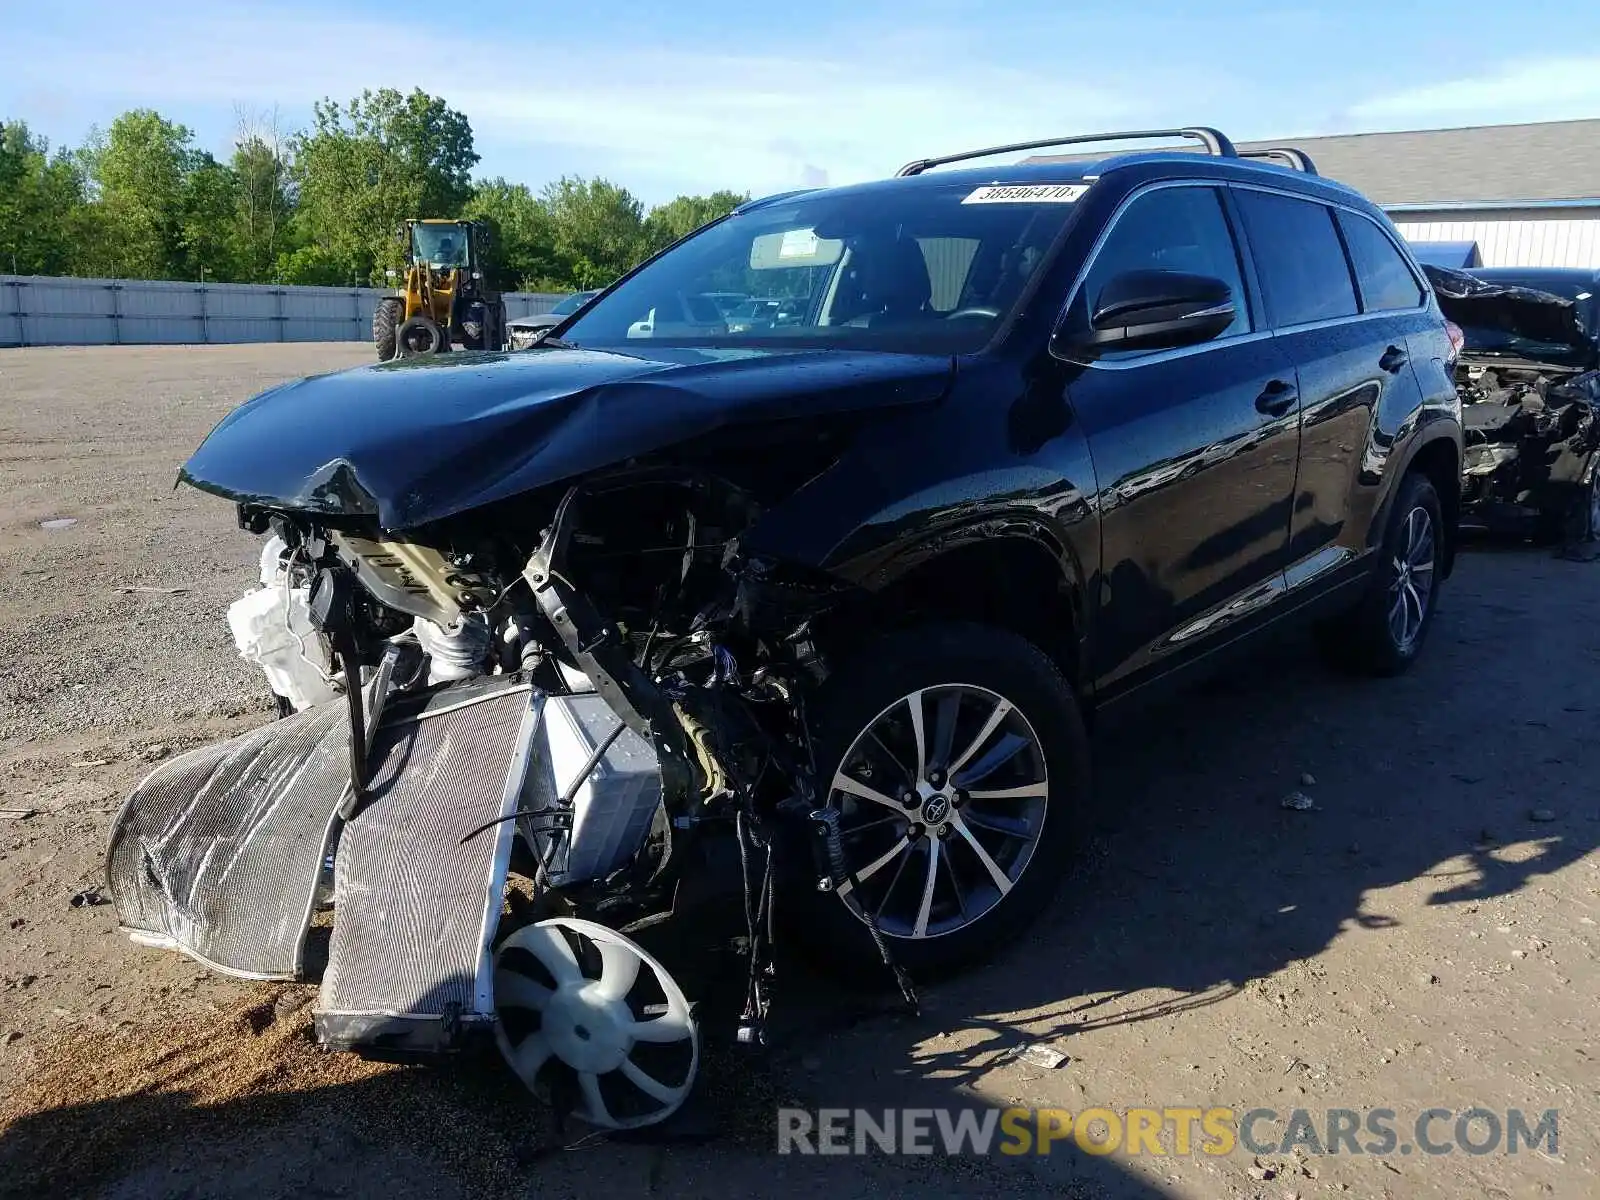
column 798, row 243
column 1027, row 193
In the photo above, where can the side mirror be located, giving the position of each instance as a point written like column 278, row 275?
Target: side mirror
column 1151, row 310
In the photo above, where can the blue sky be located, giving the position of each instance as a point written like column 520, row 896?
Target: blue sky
column 691, row 95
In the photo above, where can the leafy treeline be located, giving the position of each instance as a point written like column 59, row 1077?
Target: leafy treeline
column 320, row 206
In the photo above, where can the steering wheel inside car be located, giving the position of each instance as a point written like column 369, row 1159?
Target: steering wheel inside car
column 972, row 312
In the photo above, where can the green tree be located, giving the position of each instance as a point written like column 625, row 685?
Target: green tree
column 365, row 167
column 599, row 229
column 681, row 217
column 311, row 265
column 137, row 171
column 264, row 203
column 208, row 234
column 40, row 199
column 521, row 254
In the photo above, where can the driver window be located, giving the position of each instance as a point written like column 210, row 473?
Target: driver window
column 1168, row 229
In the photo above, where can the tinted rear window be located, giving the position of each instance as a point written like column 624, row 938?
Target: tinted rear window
column 1385, row 278
column 1299, row 258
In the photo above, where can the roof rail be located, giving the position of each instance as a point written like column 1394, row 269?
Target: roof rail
column 1297, row 160
column 1217, row 145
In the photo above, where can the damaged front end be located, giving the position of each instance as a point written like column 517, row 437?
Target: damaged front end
column 1530, row 449
column 1530, row 391
column 517, row 745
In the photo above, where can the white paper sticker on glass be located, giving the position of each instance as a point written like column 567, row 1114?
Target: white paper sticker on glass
column 1027, row 193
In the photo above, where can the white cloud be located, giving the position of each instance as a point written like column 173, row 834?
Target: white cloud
column 828, row 107
column 1525, row 90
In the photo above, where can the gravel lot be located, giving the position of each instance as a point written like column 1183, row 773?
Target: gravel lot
column 1424, row 937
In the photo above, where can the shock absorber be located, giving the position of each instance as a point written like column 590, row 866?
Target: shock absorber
column 825, row 829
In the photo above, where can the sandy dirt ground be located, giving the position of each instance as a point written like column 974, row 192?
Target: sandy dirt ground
column 1424, row 937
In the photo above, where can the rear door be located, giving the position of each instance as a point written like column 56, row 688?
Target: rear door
column 1350, row 351
column 1194, row 448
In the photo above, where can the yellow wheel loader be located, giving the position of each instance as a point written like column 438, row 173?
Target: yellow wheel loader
column 445, row 300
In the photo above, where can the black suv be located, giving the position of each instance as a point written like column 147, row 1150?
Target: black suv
column 1026, row 440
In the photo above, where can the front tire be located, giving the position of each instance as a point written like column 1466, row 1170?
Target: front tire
column 1384, row 634
column 1577, row 523
column 956, row 758
column 385, row 320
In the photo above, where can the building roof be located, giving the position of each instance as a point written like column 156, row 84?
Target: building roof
column 1495, row 164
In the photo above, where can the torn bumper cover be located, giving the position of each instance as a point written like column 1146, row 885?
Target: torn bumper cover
column 219, row 852
column 223, row 853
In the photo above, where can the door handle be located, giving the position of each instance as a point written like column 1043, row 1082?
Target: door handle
column 1393, row 359
column 1276, row 398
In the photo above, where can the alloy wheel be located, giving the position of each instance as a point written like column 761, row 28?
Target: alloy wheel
column 942, row 803
column 1412, row 585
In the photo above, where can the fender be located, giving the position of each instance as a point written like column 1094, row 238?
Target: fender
column 1434, row 426
column 1009, row 567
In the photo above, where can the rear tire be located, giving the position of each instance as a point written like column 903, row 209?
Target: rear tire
column 1384, row 634
column 385, row 319
column 997, row 798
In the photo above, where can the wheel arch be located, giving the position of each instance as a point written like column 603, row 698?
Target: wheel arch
column 1015, row 575
column 1436, row 455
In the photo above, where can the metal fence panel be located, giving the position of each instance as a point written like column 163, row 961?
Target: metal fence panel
column 48, row 311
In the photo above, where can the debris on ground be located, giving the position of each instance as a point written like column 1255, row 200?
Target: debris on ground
column 1299, row 802
column 1308, row 780
column 92, row 762
column 1261, row 1170
column 18, row 814
column 88, row 898
column 160, row 591
column 1035, row 1054
column 1542, row 814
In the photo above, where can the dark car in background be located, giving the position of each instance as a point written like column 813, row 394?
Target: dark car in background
column 1529, row 381
column 524, row 331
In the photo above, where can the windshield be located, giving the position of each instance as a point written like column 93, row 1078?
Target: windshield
column 1523, row 333
column 568, row 305
column 1580, row 288
column 927, row 267
column 439, row 245
column 1484, row 340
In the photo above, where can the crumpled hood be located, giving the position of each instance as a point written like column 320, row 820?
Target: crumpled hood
column 418, row 439
column 1539, row 316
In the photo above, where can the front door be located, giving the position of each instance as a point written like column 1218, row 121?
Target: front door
column 1195, row 450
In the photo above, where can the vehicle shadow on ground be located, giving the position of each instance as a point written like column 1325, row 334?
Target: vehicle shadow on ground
column 1196, row 883
column 464, row 1128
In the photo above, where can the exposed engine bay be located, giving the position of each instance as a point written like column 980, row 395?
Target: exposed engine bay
column 506, row 746
column 1530, row 391
column 1531, row 434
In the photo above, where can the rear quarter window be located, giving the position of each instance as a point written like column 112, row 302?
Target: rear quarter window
column 1299, row 258
column 1384, row 276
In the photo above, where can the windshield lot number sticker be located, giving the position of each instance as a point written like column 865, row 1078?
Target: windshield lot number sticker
column 1027, row 193
column 798, row 243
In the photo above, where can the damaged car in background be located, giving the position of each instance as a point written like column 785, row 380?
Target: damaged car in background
column 646, row 636
column 1529, row 380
